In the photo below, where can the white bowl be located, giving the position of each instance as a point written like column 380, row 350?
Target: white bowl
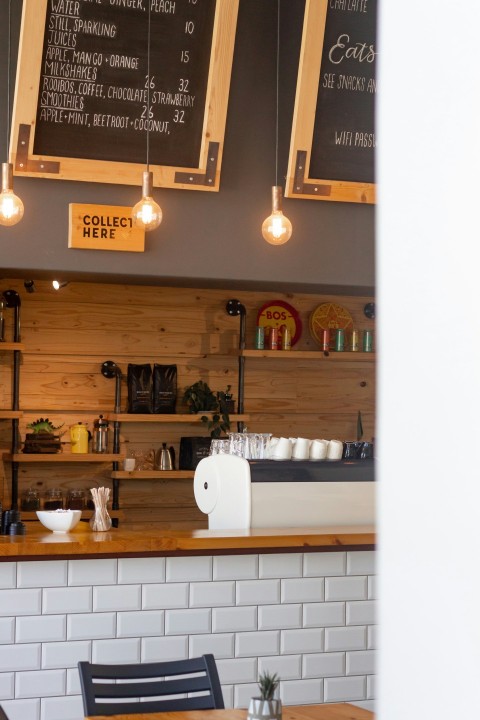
column 59, row 521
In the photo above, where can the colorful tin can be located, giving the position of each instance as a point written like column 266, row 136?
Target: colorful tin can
column 259, row 338
column 340, row 340
column 286, row 338
column 326, row 340
column 368, row 341
column 355, row 341
column 273, row 338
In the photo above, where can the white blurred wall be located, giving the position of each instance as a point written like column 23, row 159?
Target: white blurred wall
column 429, row 345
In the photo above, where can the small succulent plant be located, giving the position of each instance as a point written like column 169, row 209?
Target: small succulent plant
column 267, row 684
column 43, row 425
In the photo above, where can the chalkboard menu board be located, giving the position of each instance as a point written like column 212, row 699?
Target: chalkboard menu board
column 332, row 150
column 85, row 99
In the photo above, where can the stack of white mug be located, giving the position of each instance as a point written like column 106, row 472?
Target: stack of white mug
column 262, row 446
column 305, row 449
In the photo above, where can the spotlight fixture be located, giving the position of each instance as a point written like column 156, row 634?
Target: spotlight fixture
column 29, row 286
column 276, row 228
column 11, row 207
column 59, row 284
column 147, row 214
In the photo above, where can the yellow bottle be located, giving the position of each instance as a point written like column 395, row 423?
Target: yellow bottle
column 79, row 438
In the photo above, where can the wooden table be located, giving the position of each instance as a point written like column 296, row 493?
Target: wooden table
column 336, row 711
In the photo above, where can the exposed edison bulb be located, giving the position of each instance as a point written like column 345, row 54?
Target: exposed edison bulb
column 276, row 228
column 147, row 214
column 11, row 207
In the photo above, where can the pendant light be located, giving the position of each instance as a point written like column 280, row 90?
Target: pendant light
column 276, row 228
column 146, row 214
column 11, row 207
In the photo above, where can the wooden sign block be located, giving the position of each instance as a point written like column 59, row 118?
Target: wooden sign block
column 103, row 227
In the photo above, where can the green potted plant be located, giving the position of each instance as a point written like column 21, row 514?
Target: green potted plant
column 266, row 706
column 199, row 397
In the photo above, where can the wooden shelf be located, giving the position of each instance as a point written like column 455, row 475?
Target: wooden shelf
column 309, row 355
column 174, row 418
column 64, row 457
column 11, row 346
column 153, row 475
column 10, row 414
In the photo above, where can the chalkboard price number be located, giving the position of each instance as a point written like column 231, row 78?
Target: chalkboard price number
column 144, row 113
column 152, row 82
column 185, row 56
column 178, row 116
column 189, row 27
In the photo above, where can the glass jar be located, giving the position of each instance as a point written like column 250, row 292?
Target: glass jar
column 100, row 435
column 53, row 499
column 76, row 499
column 30, row 500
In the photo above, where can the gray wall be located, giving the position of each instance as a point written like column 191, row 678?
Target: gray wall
column 208, row 238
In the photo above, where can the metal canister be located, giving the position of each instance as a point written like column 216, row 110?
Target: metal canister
column 273, row 338
column 355, row 341
column 286, row 338
column 340, row 340
column 259, row 338
column 326, row 340
column 368, row 341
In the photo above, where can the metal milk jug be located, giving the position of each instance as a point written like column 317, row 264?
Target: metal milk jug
column 165, row 458
column 100, row 435
column 79, row 438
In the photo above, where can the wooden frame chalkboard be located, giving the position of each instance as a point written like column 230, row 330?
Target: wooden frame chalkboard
column 82, row 99
column 333, row 131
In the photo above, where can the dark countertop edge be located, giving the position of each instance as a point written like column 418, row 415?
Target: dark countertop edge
column 191, row 553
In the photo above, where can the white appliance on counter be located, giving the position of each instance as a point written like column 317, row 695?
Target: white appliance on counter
column 239, row 494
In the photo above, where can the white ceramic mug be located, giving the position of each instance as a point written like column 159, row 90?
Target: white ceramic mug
column 318, row 449
column 271, row 445
column 335, row 450
column 282, row 449
column 301, row 449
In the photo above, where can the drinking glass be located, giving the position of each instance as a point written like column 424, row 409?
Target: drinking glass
column 219, row 446
column 237, row 443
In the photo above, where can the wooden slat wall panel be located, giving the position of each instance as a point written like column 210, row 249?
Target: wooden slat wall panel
column 70, row 333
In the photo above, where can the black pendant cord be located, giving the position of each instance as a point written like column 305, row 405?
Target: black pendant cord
column 9, row 42
column 148, row 85
column 277, row 92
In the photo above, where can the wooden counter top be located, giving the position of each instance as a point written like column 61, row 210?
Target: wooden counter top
column 40, row 543
column 335, row 711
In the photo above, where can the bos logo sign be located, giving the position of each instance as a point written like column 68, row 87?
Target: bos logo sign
column 278, row 313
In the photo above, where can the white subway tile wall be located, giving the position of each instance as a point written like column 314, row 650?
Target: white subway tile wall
column 310, row 617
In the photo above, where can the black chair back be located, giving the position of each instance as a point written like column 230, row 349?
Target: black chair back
column 133, row 683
